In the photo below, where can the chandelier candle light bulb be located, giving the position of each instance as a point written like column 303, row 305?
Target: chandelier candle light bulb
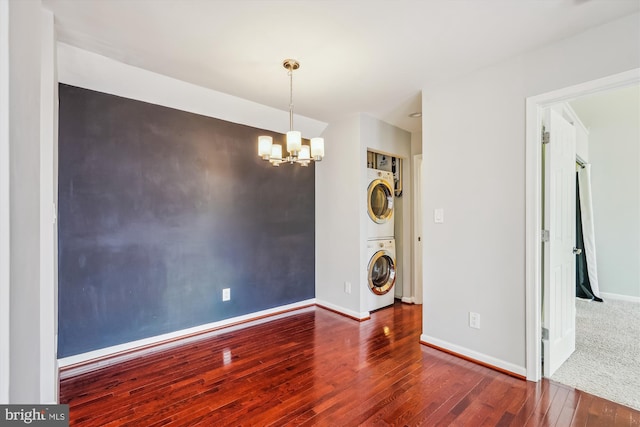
column 304, row 157
column 304, row 153
column 276, row 154
column 264, row 146
column 298, row 152
column 294, row 141
column 317, row 148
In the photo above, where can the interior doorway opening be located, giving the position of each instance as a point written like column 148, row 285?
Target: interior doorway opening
column 534, row 203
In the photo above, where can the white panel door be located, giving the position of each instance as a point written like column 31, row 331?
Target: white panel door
column 558, row 313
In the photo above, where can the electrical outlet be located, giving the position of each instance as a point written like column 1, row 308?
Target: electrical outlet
column 347, row 287
column 226, row 356
column 474, row 320
column 226, row 294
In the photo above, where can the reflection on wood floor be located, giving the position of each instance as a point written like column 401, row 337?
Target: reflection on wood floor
column 315, row 367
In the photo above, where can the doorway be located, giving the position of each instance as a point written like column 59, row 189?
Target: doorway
column 608, row 126
column 417, row 231
column 534, row 281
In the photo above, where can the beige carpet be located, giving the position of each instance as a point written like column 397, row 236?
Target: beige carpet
column 606, row 362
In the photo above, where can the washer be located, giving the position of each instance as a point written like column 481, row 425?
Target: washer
column 381, row 273
column 380, row 199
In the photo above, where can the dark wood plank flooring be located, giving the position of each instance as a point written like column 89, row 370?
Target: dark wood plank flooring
column 316, row 367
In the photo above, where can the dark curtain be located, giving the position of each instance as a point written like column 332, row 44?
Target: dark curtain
column 583, row 285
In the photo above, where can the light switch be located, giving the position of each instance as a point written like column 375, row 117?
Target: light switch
column 438, row 216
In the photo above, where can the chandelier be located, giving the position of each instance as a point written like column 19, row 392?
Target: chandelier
column 298, row 152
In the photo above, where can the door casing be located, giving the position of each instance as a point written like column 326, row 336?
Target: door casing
column 417, row 231
column 5, row 252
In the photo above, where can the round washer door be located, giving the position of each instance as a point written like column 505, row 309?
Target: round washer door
column 382, row 272
column 380, row 201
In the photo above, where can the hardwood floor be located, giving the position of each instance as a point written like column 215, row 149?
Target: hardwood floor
column 316, row 367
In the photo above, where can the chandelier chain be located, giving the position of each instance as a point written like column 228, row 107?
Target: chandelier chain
column 290, row 99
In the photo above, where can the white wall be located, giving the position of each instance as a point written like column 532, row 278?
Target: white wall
column 416, row 143
column 24, row 129
column 339, row 194
column 474, row 168
column 614, row 144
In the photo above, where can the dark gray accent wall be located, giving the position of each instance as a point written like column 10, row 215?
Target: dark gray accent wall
column 159, row 210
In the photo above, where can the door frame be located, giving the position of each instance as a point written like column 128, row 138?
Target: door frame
column 417, row 229
column 533, row 201
column 49, row 380
column 5, row 226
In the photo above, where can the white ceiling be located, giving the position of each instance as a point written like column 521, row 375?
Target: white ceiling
column 368, row 56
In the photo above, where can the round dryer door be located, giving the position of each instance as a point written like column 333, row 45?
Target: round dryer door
column 380, row 201
column 382, row 273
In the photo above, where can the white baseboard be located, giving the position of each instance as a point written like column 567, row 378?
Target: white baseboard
column 349, row 313
column 480, row 357
column 408, row 300
column 97, row 359
column 619, row 297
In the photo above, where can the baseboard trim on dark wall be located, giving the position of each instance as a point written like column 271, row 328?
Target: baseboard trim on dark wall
column 93, row 361
column 69, row 367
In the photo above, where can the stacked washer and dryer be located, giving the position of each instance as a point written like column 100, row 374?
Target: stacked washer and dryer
column 381, row 244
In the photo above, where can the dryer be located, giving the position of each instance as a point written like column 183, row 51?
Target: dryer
column 381, row 273
column 380, row 199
